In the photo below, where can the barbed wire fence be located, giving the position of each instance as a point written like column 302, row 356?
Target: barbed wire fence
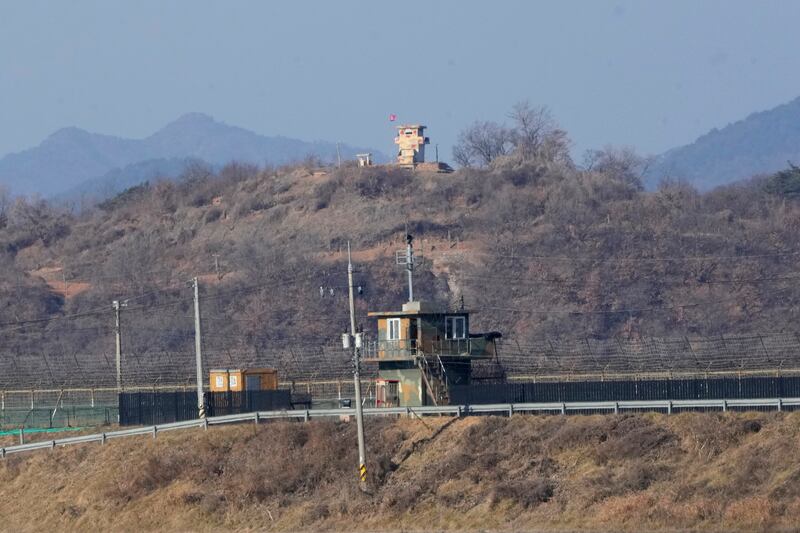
column 44, row 379
column 160, row 355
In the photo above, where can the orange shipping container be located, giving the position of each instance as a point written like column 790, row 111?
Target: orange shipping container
column 235, row 380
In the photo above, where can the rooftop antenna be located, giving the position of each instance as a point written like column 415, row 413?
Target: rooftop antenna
column 406, row 257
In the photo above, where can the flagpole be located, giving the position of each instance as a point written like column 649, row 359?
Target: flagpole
column 392, row 118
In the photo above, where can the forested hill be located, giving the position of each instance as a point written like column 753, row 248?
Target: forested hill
column 536, row 247
column 762, row 143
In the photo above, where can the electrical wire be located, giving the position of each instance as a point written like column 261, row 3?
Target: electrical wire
column 618, row 259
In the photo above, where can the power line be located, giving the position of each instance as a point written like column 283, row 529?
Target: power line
column 619, row 259
column 22, row 323
column 572, row 282
column 616, row 311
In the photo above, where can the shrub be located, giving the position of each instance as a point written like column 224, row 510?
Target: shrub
column 376, row 182
column 633, row 437
column 128, row 196
column 785, row 183
column 212, row 215
column 252, row 204
column 323, row 193
column 527, row 493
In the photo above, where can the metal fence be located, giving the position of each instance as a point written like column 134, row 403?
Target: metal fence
column 38, row 390
column 139, row 408
column 81, row 407
column 542, row 358
column 71, row 416
column 521, row 358
column 628, row 390
column 164, row 368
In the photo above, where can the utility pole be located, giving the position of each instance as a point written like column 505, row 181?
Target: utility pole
column 338, row 157
column 216, row 266
column 356, row 342
column 410, row 266
column 198, row 351
column 118, row 338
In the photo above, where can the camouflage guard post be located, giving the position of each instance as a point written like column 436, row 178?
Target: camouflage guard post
column 422, row 350
column 411, row 141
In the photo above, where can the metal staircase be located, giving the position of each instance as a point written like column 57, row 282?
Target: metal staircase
column 435, row 377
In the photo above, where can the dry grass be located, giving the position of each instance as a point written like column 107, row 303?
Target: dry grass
column 704, row 472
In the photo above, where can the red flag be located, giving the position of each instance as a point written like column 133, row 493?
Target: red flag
column 392, row 117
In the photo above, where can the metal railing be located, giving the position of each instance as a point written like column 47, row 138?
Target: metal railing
column 409, row 348
column 390, row 349
column 667, row 406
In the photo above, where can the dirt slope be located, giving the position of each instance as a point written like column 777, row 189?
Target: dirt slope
column 704, row 472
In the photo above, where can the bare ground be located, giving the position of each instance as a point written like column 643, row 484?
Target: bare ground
column 699, row 472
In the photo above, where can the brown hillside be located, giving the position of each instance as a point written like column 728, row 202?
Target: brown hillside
column 537, row 249
column 700, row 472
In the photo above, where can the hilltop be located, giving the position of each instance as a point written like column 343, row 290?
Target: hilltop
column 761, row 143
column 73, row 162
column 699, row 472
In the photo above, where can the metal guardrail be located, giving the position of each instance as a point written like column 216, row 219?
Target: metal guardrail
column 452, row 410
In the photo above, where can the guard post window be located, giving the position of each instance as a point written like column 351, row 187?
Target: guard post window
column 455, row 327
column 393, row 329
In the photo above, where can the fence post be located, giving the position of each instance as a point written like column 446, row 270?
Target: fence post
column 563, row 408
column 102, row 438
column 305, row 416
column 155, row 430
column 255, row 417
column 669, row 407
column 724, row 405
column 205, row 424
column 780, row 404
column 510, row 410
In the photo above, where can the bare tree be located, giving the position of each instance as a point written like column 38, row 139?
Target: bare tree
column 532, row 126
column 534, row 136
column 481, row 143
column 621, row 163
column 39, row 219
column 5, row 203
column 462, row 155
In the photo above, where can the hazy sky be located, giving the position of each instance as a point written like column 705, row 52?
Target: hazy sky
column 648, row 74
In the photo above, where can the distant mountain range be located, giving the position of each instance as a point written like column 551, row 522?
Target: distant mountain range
column 73, row 162
column 761, row 143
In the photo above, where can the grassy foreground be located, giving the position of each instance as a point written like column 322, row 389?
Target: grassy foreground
column 708, row 472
